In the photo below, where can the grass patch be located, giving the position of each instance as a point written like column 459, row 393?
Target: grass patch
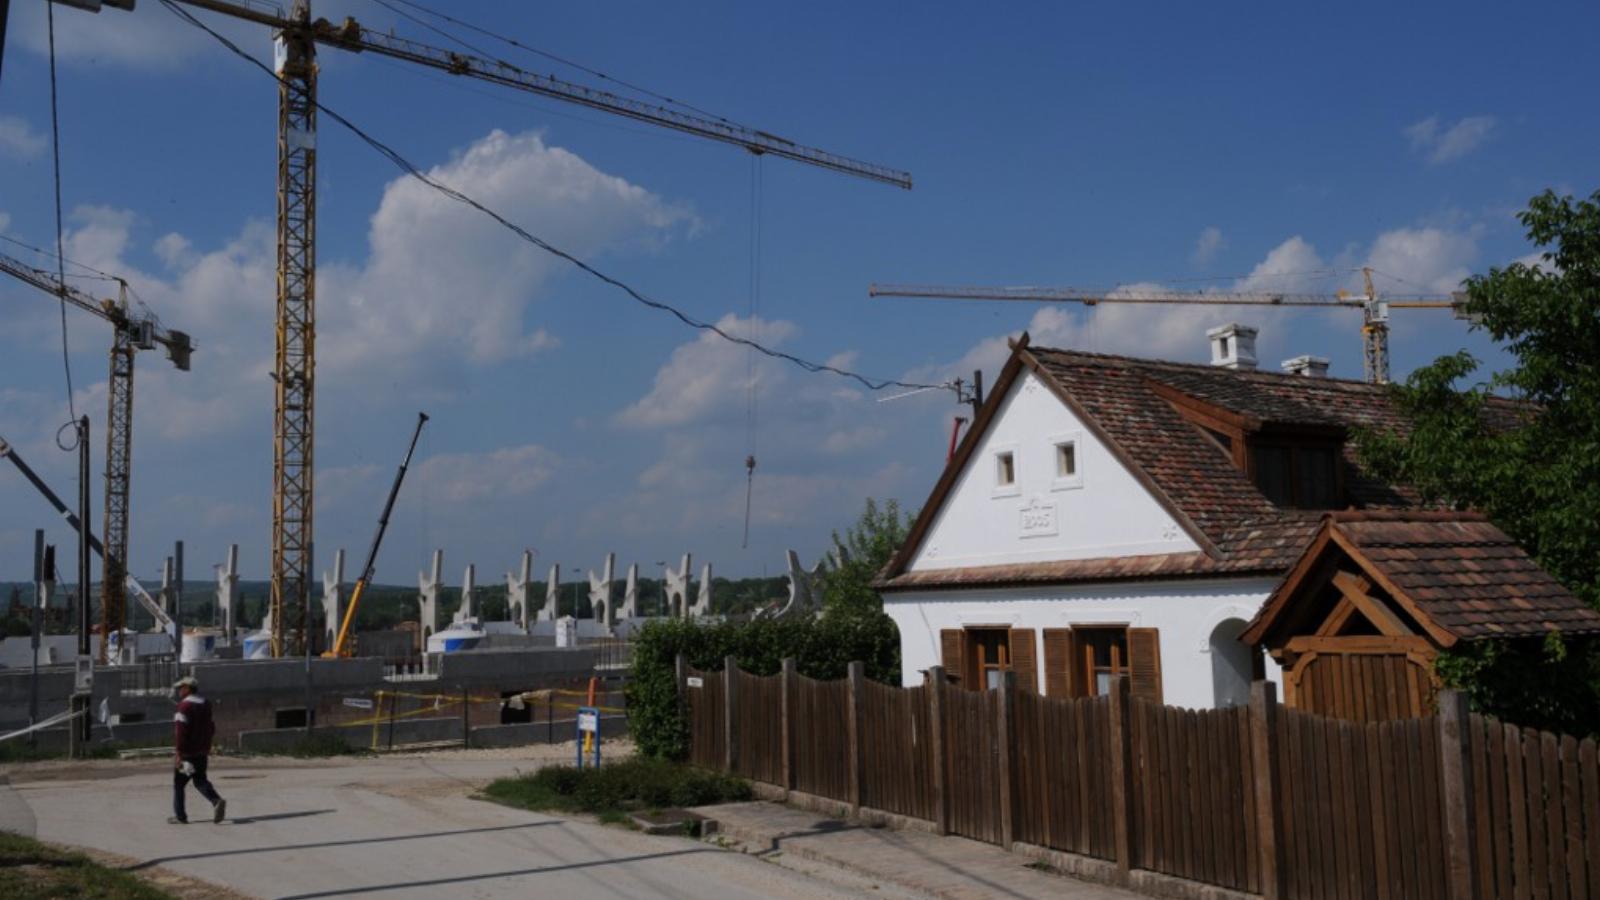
column 315, row 745
column 616, row 789
column 30, row 870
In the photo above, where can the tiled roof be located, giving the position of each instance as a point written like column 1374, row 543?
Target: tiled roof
column 1465, row 574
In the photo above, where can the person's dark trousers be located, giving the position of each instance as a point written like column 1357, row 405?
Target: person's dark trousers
column 179, row 780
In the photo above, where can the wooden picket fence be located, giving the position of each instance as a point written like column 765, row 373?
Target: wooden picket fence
column 1260, row 799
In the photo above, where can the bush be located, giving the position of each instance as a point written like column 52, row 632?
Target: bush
column 315, row 745
column 823, row 649
column 633, row 785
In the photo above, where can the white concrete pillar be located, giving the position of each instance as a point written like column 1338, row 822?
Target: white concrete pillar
column 228, row 592
column 702, row 600
column 333, row 598
column 468, row 610
column 630, row 595
column 552, row 594
column 676, row 587
column 518, row 587
column 605, row 614
column 804, row 592
column 428, row 591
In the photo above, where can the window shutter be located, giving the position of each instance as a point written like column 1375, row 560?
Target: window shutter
column 951, row 640
column 1144, row 663
column 1058, row 662
column 1025, row 659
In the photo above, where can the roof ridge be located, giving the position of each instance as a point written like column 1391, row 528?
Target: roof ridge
column 1208, row 368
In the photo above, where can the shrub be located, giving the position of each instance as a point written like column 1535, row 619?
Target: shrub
column 635, row 784
column 823, row 648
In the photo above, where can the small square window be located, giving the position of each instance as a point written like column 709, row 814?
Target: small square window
column 1005, row 473
column 1067, row 459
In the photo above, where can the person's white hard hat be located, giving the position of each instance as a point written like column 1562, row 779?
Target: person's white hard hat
column 188, row 681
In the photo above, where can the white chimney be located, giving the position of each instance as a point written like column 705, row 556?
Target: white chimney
column 1308, row 365
column 1233, row 346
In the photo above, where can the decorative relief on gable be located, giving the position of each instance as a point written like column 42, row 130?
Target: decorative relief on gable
column 1171, row 531
column 1030, row 386
column 1038, row 518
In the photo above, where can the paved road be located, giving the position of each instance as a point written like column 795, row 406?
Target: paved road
column 395, row 827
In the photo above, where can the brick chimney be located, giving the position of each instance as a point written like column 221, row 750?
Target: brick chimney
column 1233, row 346
column 1308, row 365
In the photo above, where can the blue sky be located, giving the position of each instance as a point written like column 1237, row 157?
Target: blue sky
column 1090, row 145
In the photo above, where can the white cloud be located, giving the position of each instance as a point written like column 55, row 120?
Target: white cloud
column 503, row 473
column 1428, row 260
column 1207, row 245
column 709, row 378
column 19, row 140
column 1442, row 143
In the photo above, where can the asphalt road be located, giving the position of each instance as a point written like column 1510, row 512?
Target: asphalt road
column 392, row 827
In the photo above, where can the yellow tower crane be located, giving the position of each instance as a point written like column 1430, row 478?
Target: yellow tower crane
column 297, row 36
column 130, row 332
column 1374, row 306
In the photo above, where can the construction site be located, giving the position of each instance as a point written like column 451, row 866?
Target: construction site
column 538, row 481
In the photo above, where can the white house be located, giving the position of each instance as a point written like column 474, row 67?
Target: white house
column 1108, row 515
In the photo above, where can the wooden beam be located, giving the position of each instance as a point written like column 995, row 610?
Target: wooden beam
column 1360, row 644
column 1336, row 619
column 1440, row 635
column 1355, row 588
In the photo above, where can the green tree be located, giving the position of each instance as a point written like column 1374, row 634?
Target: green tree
column 1533, row 468
column 862, row 553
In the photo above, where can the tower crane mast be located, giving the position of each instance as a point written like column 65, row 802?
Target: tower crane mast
column 130, row 332
column 1374, row 306
column 297, row 37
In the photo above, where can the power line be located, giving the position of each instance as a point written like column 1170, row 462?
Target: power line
column 61, row 272
column 410, row 169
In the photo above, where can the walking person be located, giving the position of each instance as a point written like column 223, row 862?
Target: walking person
column 193, row 740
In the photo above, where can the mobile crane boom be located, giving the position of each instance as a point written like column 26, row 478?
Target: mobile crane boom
column 341, row 644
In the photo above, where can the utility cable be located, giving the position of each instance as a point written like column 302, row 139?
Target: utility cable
column 751, row 386
column 407, row 167
column 61, row 272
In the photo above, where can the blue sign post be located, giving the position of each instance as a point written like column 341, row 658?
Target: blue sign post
column 588, row 735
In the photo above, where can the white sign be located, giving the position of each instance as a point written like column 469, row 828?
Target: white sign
column 589, row 722
column 358, row 702
column 695, row 681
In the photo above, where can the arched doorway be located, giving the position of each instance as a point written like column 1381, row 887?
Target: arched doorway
column 1230, row 664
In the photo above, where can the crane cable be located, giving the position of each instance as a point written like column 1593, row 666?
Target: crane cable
column 751, row 408
column 410, row 169
column 61, row 266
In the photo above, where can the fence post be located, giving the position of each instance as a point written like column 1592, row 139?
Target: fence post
column 1006, row 714
column 730, row 711
column 1455, row 776
column 857, row 679
column 1264, row 731
column 786, row 685
column 1122, row 793
column 935, row 681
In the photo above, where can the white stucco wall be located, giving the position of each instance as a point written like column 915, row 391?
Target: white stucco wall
column 1186, row 612
column 1103, row 511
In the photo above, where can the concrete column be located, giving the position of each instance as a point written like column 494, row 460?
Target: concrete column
column 552, row 595
column 804, row 599
column 518, row 588
column 702, row 600
column 169, row 591
column 630, row 595
column 605, row 615
column 333, row 598
column 676, row 587
column 428, row 594
column 468, row 609
column 228, row 592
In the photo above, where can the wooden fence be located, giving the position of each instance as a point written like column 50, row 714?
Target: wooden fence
column 1259, row 799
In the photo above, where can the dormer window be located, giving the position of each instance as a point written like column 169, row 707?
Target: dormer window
column 1298, row 475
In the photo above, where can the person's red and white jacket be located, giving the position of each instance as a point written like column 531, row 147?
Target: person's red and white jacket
column 194, row 728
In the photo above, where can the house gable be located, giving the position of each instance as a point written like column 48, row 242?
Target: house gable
column 1060, row 504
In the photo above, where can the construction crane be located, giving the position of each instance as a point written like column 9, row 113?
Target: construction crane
column 297, row 37
column 130, row 332
column 1374, row 307
column 341, row 644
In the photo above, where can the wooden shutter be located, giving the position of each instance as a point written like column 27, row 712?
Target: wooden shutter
column 1144, row 663
column 1025, row 659
column 951, row 642
column 1058, row 662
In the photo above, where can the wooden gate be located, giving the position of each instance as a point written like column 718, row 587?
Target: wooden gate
column 1361, row 686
